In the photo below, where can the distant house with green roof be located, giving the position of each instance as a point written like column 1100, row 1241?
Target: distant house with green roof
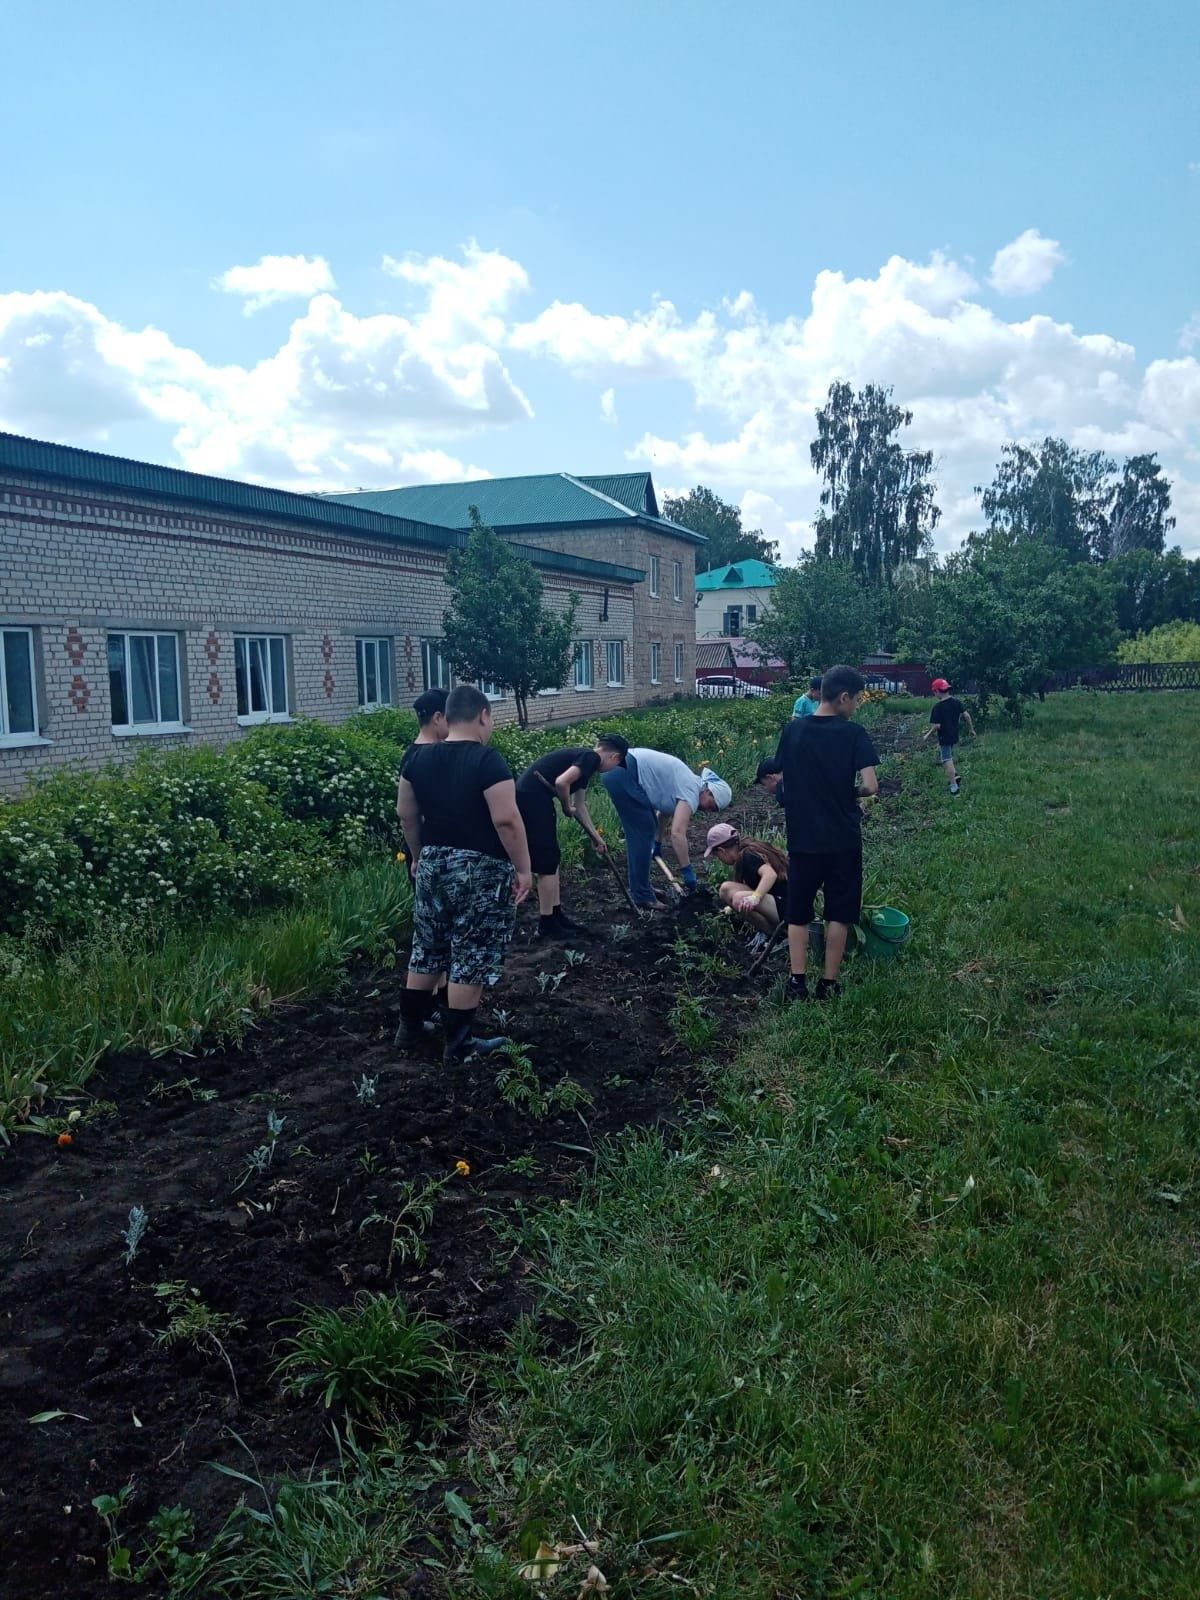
column 730, row 600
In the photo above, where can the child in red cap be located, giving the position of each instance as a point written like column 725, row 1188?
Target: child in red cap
column 944, row 719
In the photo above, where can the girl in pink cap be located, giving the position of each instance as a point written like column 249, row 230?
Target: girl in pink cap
column 757, row 891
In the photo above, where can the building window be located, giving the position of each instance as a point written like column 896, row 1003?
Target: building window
column 678, row 663
column 260, row 670
column 18, row 693
column 614, row 660
column 751, row 616
column 731, row 627
column 374, row 659
column 143, row 682
column 604, row 607
column 654, row 576
column 495, row 691
column 434, row 666
column 677, row 580
column 583, row 664
column 655, row 662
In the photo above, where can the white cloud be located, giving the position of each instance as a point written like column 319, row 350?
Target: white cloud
column 793, row 534
column 275, row 278
column 608, row 406
column 1189, row 334
column 1026, row 265
column 395, row 385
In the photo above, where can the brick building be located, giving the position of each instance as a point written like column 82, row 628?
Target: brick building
column 613, row 518
column 144, row 605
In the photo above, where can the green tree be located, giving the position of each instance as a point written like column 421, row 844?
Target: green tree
column 878, row 508
column 1005, row 616
column 1152, row 589
column 1138, row 512
column 1174, row 641
column 1050, row 494
column 820, row 614
column 705, row 512
column 497, row 630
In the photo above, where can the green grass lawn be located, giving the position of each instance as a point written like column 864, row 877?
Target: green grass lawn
column 913, row 1311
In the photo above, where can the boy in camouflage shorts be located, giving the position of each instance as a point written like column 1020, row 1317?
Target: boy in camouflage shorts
column 458, row 806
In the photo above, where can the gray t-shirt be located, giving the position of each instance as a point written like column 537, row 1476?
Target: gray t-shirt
column 666, row 780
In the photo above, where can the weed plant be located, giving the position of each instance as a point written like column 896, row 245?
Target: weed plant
column 372, row 1358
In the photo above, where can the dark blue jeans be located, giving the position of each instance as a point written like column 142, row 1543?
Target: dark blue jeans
column 640, row 822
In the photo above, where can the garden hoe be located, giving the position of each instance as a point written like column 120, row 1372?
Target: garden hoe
column 608, row 862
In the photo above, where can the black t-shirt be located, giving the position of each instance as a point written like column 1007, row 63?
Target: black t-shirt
column 820, row 757
column 410, row 751
column 945, row 717
column 449, row 780
column 747, row 868
column 552, row 766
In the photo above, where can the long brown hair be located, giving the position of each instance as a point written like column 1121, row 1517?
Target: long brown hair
column 771, row 854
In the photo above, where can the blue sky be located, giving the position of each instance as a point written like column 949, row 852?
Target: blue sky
column 572, row 199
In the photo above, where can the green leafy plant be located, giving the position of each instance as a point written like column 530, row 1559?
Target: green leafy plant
column 134, row 1233
column 192, row 1322
column 692, row 1022
column 110, row 1508
column 371, row 1357
column 409, row 1221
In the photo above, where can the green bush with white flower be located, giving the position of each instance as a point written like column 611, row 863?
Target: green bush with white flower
column 199, row 832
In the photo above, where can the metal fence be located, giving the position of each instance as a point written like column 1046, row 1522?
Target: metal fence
column 1134, row 675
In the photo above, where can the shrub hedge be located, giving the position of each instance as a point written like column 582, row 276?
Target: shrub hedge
column 199, row 832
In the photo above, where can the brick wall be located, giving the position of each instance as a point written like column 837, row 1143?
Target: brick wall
column 661, row 618
column 77, row 566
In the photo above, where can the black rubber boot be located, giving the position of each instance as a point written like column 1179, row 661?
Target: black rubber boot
column 458, row 1041
column 569, row 923
column 416, row 1013
column 797, row 988
column 828, row 989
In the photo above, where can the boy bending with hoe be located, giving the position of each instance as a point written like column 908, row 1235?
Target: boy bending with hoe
column 561, row 775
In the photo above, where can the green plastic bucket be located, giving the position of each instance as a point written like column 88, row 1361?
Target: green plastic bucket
column 885, row 931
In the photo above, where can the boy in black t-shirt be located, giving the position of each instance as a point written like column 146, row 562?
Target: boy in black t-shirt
column 943, row 720
column 819, row 756
column 458, row 806
column 561, row 775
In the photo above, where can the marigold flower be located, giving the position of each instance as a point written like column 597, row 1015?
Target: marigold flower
column 463, row 1168
column 64, row 1139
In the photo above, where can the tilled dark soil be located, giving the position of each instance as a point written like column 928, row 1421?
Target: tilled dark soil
column 79, row 1326
column 78, row 1330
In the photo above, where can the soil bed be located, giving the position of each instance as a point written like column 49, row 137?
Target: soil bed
column 80, row 1327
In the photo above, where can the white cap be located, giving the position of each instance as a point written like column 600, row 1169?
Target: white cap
column 717, row 787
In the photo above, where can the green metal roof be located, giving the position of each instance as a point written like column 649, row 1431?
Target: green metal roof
column 552, row 499
column 632, row 489
column 89, row 468
column 737, row 575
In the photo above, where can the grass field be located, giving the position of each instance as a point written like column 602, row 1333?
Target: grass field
column 912, row 1312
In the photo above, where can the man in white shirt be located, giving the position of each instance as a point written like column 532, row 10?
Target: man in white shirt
column 649, row 785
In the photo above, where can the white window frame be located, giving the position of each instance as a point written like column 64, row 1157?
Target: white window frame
column 619, row 646
column 497, row 691
column 431, row 649
column 654, row 577
column 160, row 724
column 9, row 739
column 677, row 580
column 583, row 653
column 381, row 649
column 655, row 661
column 241, row 648
column 678, row 663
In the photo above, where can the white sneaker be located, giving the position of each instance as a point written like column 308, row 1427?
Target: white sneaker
column 759, row 942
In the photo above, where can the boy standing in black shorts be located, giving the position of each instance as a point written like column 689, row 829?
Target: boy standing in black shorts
column 820, row 756
column 947, row 713
column 560, row 775
column 458, row 806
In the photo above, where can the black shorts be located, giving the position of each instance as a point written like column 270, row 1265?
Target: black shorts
column 541, row 829
column 840, row 876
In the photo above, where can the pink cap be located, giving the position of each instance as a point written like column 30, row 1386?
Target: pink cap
column 940, row 686
column 720, row 833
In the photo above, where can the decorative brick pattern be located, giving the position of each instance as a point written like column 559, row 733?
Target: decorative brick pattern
column 78, row 565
